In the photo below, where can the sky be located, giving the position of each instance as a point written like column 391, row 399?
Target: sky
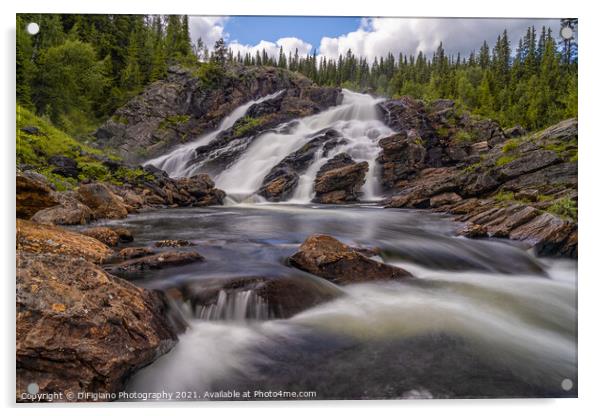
column 369, row 37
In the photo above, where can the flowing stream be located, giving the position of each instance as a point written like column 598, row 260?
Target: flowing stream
column 482, row 318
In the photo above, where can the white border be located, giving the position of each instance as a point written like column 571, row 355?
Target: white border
column 590, row 154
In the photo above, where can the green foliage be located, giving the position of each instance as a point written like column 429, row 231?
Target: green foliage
column 463, row 136
column 503, row 196
column 93, row 170
column 510, row 145
column 564, row 207
column 505, row 159
column 210, row 74
column 442, row 132
column 246, row 124
column 173, row 121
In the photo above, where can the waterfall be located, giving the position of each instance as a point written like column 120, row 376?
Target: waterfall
column 356, row 120
column 235, row 306
column 174, row 162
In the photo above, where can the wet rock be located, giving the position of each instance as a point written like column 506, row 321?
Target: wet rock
column 125, row 235
column 70, row 211
column 102, row 202
column 201, row 189
column 41, row 238
column 135, row 252
column 327, row 257
column 548, row 234
column 103, row 234
column 33, row 194
column 417, row 193
column 339, row 180
column 280, row 183
column 471, row 230
column 273, row 297
column 135, row 266
column 79, row 329
column 174, row 243
column 64, row 166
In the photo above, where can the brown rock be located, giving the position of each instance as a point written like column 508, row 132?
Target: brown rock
column 125, row 235
column 40, row 238
column 549, row 234
column 327, row 257
column 103, row 234
column 33, row 194
column 69, row 211
column 444, row 199
column 135, row 252
column 471, row 230
column 339, row 180
column 103, row 202
column 174, row 243
column 81, row 330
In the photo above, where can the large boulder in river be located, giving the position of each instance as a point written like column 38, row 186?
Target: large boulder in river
column 81, row 330
column 401, row 157
column 33, row 194
column 135, row 267
column 102, row 201
column 41, row 238
column 201, row 189
column 325, row 256
column 339, row 180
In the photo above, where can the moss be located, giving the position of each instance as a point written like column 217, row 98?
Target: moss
column 472, row 168
column 564, row 207
column 574, row 158
column 124, row 174
column 510, row 145
column 463, row 136
column 209, row 74
column 442, row 132
column 117, row 118
column 505, row 159
column 502, row 196
column 246, row 124
column 61, row 183
column 94, row 171
column 173, row 121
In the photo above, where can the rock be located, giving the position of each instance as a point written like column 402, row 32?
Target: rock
column 548, row 234
column 103, row 234
column 527, row 163
column 202, row 190
column 444, row 199
column 514, row 217
column 40, row 238
column 275, row 297
column 135, row 252
column 516, row 131
column 125, row 235
column 102, row 202
column 339, row 180
column 33, row 194
column 64, row 166
column 428, row 183
column 280, row 183
column 471, row 230
column 562, row 131
column 69, row 211
column 174, row 243
column 530, row 195
column 402, row 156
column 33, row 130
column 81, row 330
column 327, row 257
column 134, row 267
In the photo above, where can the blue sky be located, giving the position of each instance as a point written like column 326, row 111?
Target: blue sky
column 251, row 30
column 369, row 37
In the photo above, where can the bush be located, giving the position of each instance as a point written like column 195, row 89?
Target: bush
column 246, row 124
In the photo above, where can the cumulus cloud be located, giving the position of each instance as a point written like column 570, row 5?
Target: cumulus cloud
column 289, row 45
column 378, row 36
column 208, row 28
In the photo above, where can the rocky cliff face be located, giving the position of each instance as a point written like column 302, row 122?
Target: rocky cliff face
column 183, row 107
column 522, row 187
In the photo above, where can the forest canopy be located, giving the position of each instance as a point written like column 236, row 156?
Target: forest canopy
column 80, row 68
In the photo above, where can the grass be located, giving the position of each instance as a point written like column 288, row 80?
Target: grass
column 245, row 125
column 503, row 196
column 505, row 159
column 463, row 136
column 173, row 121
column 564, row 207
column 510, row 145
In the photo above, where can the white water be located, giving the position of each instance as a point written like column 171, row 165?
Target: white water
column 356, row 119
column 174, row 162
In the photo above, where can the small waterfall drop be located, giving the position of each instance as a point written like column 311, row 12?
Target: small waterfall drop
column 235, row 306
column 174, row 162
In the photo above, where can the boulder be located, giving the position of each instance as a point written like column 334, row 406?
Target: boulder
column 173, row 243
column 102, row 202
column 516, row 131
column 79, row 329
column 33, row 194
column 64, row 166
column 103, row 234
column 325, row 256
column 339, row 180
column 135, row 267
column 70, row 211
column 548, row 234
column 41, row 238
column 125, row 235
column 446, row 198
column 471, row 230
column 135, row 252
column 201, row 190
column 401, row 157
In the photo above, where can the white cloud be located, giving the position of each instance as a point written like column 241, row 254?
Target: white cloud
column 209, row 28
column 289, row 44
column 378, row 36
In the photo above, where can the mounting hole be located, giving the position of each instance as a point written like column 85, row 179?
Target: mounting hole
column 33, row 28
column 567, row 384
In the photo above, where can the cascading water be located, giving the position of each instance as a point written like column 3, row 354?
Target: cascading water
column 174, row 162
column 235, row 306
column 355, row 119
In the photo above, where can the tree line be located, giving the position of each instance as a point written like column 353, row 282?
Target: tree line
column 80, row 68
